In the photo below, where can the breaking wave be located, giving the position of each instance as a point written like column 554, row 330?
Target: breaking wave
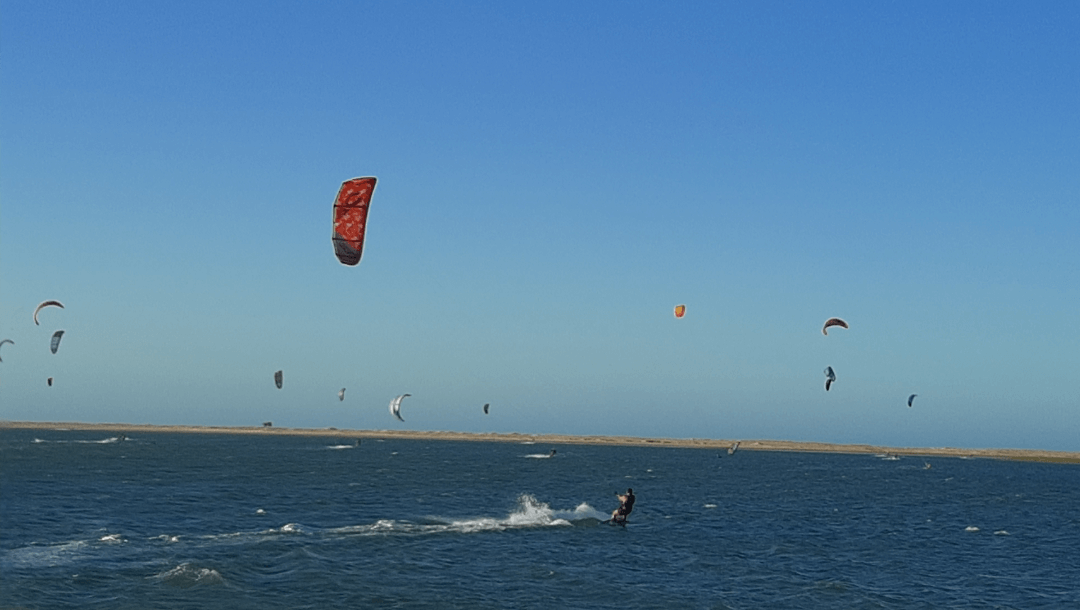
column 189, row 575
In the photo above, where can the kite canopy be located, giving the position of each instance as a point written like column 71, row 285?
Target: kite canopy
column 49, row 381
column 6, row 341
column 395, row 406
column 911, row 399
column 833, row 322
column 55, row 344
column 341, row 394
column 350, row 219
column 486, row 405
column 680, row 311
column 277, row 379
column 830, row 377
column 43, row 305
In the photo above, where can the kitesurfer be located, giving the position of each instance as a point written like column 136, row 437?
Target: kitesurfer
column 626, row 505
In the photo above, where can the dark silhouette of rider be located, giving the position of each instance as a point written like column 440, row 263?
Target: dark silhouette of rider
column 626, row 505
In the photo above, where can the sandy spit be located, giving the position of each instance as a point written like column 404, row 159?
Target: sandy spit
column 563, row 439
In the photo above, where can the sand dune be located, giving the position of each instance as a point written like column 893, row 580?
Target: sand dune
column 562, row 439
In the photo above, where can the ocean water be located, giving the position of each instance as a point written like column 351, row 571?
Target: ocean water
column 92, row 520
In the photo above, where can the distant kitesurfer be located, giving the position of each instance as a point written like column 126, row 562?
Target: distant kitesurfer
column 626, row 505
column 552, row 454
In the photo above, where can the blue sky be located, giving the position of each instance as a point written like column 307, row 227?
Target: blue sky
column 553, row 179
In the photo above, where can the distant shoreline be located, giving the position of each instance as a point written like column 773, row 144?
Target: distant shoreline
column 1033, row 455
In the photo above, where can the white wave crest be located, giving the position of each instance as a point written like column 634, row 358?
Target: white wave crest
column 187, row 575
column 289, row 529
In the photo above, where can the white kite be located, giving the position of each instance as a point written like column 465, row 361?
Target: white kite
column 395, row 406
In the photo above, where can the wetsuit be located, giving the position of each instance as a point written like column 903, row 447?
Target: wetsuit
column 626, row 506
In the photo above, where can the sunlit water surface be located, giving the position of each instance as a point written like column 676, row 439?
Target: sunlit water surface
column 94, row 520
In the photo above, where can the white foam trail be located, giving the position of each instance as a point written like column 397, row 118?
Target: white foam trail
column 971, row 528
column 341, row 446
column 114, row 439
column 529, row 512
column 35, row 556
column 581, row 512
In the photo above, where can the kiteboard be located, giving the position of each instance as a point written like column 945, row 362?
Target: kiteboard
column 614, row 521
